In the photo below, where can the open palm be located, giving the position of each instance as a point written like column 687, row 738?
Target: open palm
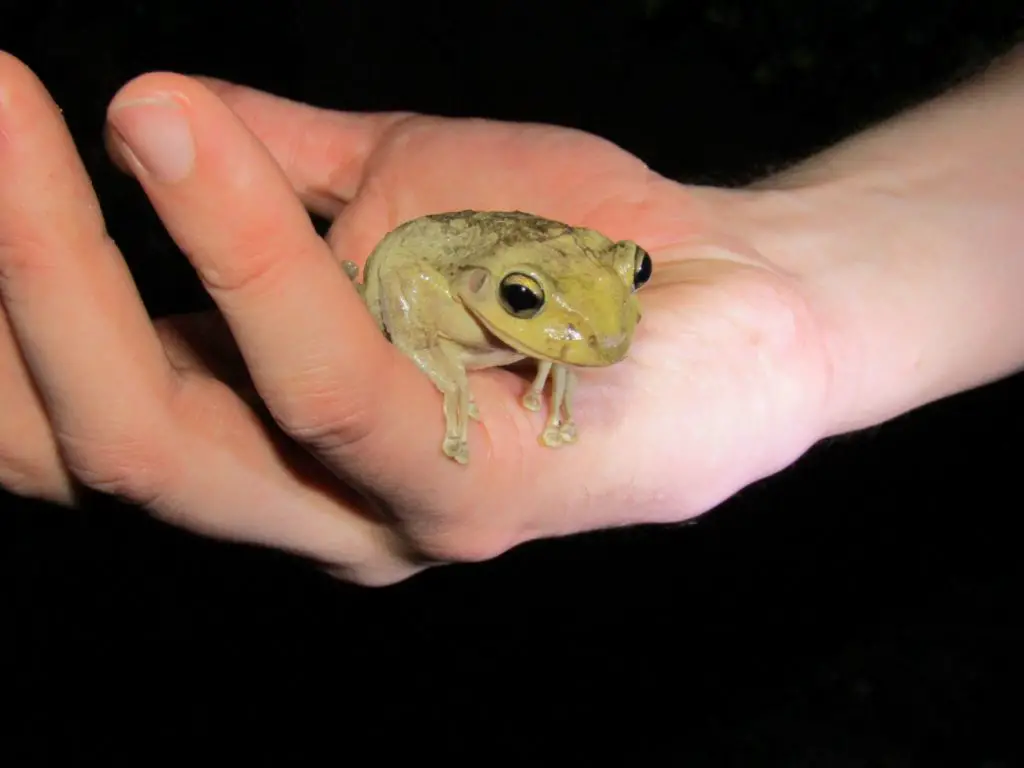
column 340, row 460
column 726, row 374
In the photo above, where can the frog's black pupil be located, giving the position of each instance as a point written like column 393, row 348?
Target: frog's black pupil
column 643, row 272
column 520, row 298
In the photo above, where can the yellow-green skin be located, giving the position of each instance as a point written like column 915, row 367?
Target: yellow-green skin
column 433, row 285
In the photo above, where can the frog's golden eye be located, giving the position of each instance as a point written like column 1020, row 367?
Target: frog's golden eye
column 644, row 267
column 521, row 295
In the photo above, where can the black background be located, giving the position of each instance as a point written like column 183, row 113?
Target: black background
column 861, row 608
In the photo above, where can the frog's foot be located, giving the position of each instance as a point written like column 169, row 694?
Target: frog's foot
column 554, row 434
column 560, row 429
column 456, row 432
column 531, row 400
column 551, row 436
column 456, row 448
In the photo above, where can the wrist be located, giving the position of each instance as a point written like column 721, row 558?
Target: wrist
column 822, row 237
column 914, row 284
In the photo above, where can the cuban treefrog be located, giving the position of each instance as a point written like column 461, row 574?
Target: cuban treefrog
column 476, row 289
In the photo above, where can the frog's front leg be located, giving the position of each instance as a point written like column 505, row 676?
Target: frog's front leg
column 561, row 428
column 567, row 428
column 531, row 399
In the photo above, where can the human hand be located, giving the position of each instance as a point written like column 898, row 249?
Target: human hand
column 727, row 378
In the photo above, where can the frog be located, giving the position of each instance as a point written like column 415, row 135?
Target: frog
column 468, row 290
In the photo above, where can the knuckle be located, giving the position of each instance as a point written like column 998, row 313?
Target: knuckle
column 24, row 257
column 270, row 253
column 259, row 271
column 126, row 466
column 35, row 254
column 321, row 417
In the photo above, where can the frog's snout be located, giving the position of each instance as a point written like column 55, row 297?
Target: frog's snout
column 609, row 347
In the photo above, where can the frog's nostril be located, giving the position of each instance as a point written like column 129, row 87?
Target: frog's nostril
column 614, row 342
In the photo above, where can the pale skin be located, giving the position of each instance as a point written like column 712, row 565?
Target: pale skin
column 881, row 275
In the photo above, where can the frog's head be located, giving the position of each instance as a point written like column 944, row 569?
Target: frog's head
column 568, row 300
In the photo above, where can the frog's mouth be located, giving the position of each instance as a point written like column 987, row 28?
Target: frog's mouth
column 517, row 346
column 498, row 339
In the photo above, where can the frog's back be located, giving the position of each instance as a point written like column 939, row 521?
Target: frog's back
column 444, row 242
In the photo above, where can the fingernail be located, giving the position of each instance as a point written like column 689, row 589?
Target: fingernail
column 156, row 133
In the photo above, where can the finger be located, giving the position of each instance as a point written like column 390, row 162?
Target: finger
column 73, row 308
column 30, row 463
column 250, row 484
column 266, row 490
column 312, row 350
column 322, row 152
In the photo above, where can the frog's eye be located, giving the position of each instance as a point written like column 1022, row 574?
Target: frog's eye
column 521, row 295
column 644, row 267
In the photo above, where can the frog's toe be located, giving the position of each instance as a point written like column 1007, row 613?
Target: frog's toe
column 531, row 401
column 351, row 269
column 551, row 436
column 474, row 412
column 456, row 448
column 567, row 432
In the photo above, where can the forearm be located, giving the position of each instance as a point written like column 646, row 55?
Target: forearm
column 910, row 240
